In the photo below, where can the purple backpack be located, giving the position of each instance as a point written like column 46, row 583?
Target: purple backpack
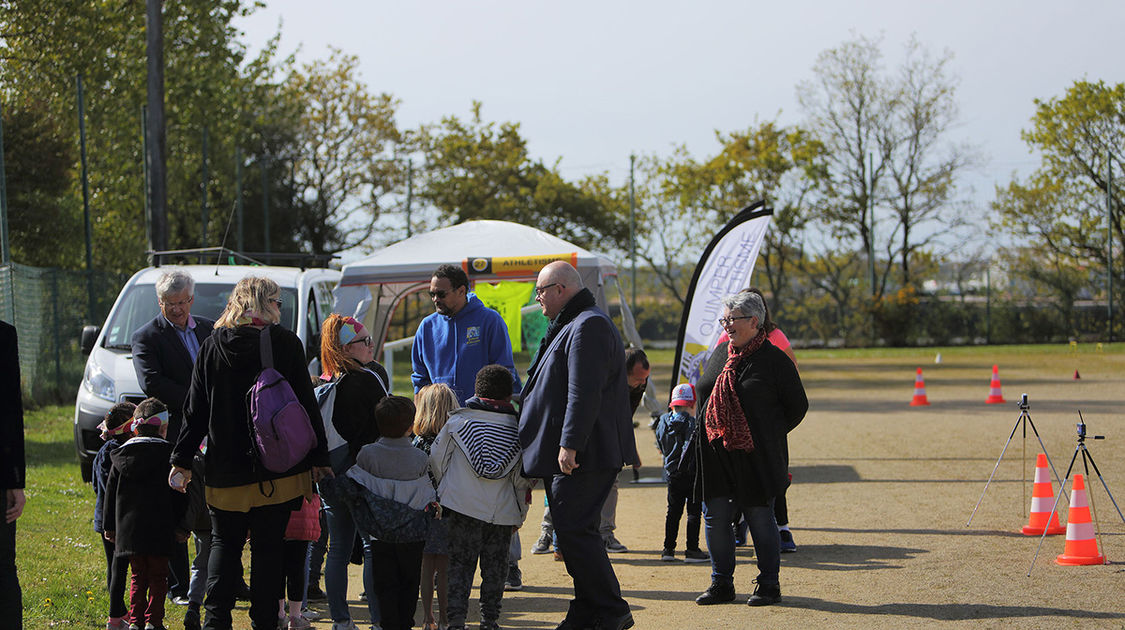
column 282, row 432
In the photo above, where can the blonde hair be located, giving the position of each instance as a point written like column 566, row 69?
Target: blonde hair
column 333, row 360
column 250, row 294
column 434, row 404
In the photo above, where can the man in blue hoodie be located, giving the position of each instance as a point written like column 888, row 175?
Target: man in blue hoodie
column 463, row 336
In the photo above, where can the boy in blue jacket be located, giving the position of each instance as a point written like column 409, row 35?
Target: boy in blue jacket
column 676, row 432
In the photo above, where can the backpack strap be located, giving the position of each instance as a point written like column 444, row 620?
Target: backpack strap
column 266, row 348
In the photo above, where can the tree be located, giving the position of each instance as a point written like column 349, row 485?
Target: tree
column 1061, row 207
column 886, row 143
column 483, row 170
column 344, row 156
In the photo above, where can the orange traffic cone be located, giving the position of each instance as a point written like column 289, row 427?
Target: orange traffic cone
column 994, row 395
column 1081, row 547
column 919, row 391
column 1042, row 500
column 1076, row 377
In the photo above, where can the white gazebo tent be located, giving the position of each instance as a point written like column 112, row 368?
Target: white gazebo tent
column 488, row 251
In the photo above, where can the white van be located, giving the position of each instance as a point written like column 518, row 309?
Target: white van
column 109, row 377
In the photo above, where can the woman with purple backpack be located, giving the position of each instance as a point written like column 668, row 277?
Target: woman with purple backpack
column 244, row 496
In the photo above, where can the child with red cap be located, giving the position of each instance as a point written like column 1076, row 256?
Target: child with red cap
column 675, row 435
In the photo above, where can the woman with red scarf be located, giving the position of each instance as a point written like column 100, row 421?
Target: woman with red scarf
column 751, row 397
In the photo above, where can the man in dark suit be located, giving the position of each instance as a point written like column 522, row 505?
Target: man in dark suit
column 576, row 432
column 11, row 475
column 164, row 353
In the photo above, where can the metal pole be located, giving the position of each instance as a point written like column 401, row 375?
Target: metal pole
column 86, row 202
column 871, row 222
column 158, row 173
column 409, row 192
column 988, row 304
column 205, row 209
column 238, row 194
column 58, row 336
column 145, row 165
column 5, row 248
column 1109, row 237
column 633, row 228
column 264, row 164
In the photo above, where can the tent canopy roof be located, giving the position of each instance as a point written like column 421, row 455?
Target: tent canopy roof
column 414, row 259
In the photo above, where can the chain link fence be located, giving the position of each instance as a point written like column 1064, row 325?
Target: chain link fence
column 49, row 307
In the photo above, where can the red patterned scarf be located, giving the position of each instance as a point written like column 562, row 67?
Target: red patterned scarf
column 725, row 419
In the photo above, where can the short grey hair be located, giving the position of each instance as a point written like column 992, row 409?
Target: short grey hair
column 747, row 303
column 173, row 282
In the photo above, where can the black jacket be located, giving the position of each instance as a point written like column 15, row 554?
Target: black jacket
column 164, row 366
column 774, row 402
column 139, row 506
column 11, row 411
column 228, row 364
column 353, row 415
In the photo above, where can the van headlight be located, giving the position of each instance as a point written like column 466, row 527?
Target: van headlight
column 98, row 383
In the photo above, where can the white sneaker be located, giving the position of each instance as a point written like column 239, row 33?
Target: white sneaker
column 543, row 545
column 344, row 625
column 299, row 623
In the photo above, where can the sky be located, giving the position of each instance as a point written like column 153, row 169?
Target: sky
column 592, row 82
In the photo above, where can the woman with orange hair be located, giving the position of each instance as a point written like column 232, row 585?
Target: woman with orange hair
column 347, row 354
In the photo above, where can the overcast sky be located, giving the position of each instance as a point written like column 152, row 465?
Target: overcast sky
column 592, row 82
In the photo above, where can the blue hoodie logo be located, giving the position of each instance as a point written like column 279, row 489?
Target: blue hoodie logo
column 472, row 335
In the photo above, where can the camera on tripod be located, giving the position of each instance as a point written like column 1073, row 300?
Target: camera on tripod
column 1023, row 402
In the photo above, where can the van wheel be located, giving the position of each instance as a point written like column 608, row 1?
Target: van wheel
column 87, row 471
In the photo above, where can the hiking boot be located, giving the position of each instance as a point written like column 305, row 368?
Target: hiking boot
column 716, row 594
column 787, row 544
column 315, row 593
column 191, row 618
column 543, row 545
column 668, row 555
column 765, row 594
column 514, row 582
column 612, row 545
column 696, row 555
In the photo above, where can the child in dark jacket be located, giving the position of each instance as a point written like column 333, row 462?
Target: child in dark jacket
column 142, row 513
column 676, row 432
column 116, row 428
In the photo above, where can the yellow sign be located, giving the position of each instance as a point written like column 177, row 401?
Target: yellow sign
column 514, row 265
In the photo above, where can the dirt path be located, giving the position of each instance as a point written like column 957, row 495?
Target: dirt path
column 881, row 495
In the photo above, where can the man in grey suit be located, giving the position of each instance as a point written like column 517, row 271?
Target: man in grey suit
column 577, row 433
column 164, row 353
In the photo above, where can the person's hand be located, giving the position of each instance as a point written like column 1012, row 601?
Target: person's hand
column 321, row 472
column 16, row 501
column 110, row 536
column 179, row 478
column 568, row 460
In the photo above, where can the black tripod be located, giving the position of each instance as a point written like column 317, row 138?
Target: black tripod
column 1087, row 462
column 1024, row 419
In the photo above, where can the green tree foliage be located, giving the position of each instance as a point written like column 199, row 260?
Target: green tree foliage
column 483, row 170
column 39, row 167
column 208, row 84
column 344, row 166
column 1060, row 209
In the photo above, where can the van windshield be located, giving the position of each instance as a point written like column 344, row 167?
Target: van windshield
column 139, row 306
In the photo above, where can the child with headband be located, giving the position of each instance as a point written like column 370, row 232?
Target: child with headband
column 142, row 513
column 116, row 429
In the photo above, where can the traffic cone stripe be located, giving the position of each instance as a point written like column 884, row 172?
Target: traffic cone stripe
column 994, row 395
column 1081, row 546
column 919, row 391
column 1042, row 503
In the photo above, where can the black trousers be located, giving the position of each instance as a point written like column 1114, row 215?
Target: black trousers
column 266, row 526
column 680, row 493
column 576, row 503
column 116, row 579
column 11, row 598
column 179, row 570
column 398, row 571
column 296, row 577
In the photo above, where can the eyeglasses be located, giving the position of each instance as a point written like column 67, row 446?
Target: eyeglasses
column 276, row 301
column 724, row 321
column 439, row 294
column 180, row 304
column 539, row 290
column 367, row 341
